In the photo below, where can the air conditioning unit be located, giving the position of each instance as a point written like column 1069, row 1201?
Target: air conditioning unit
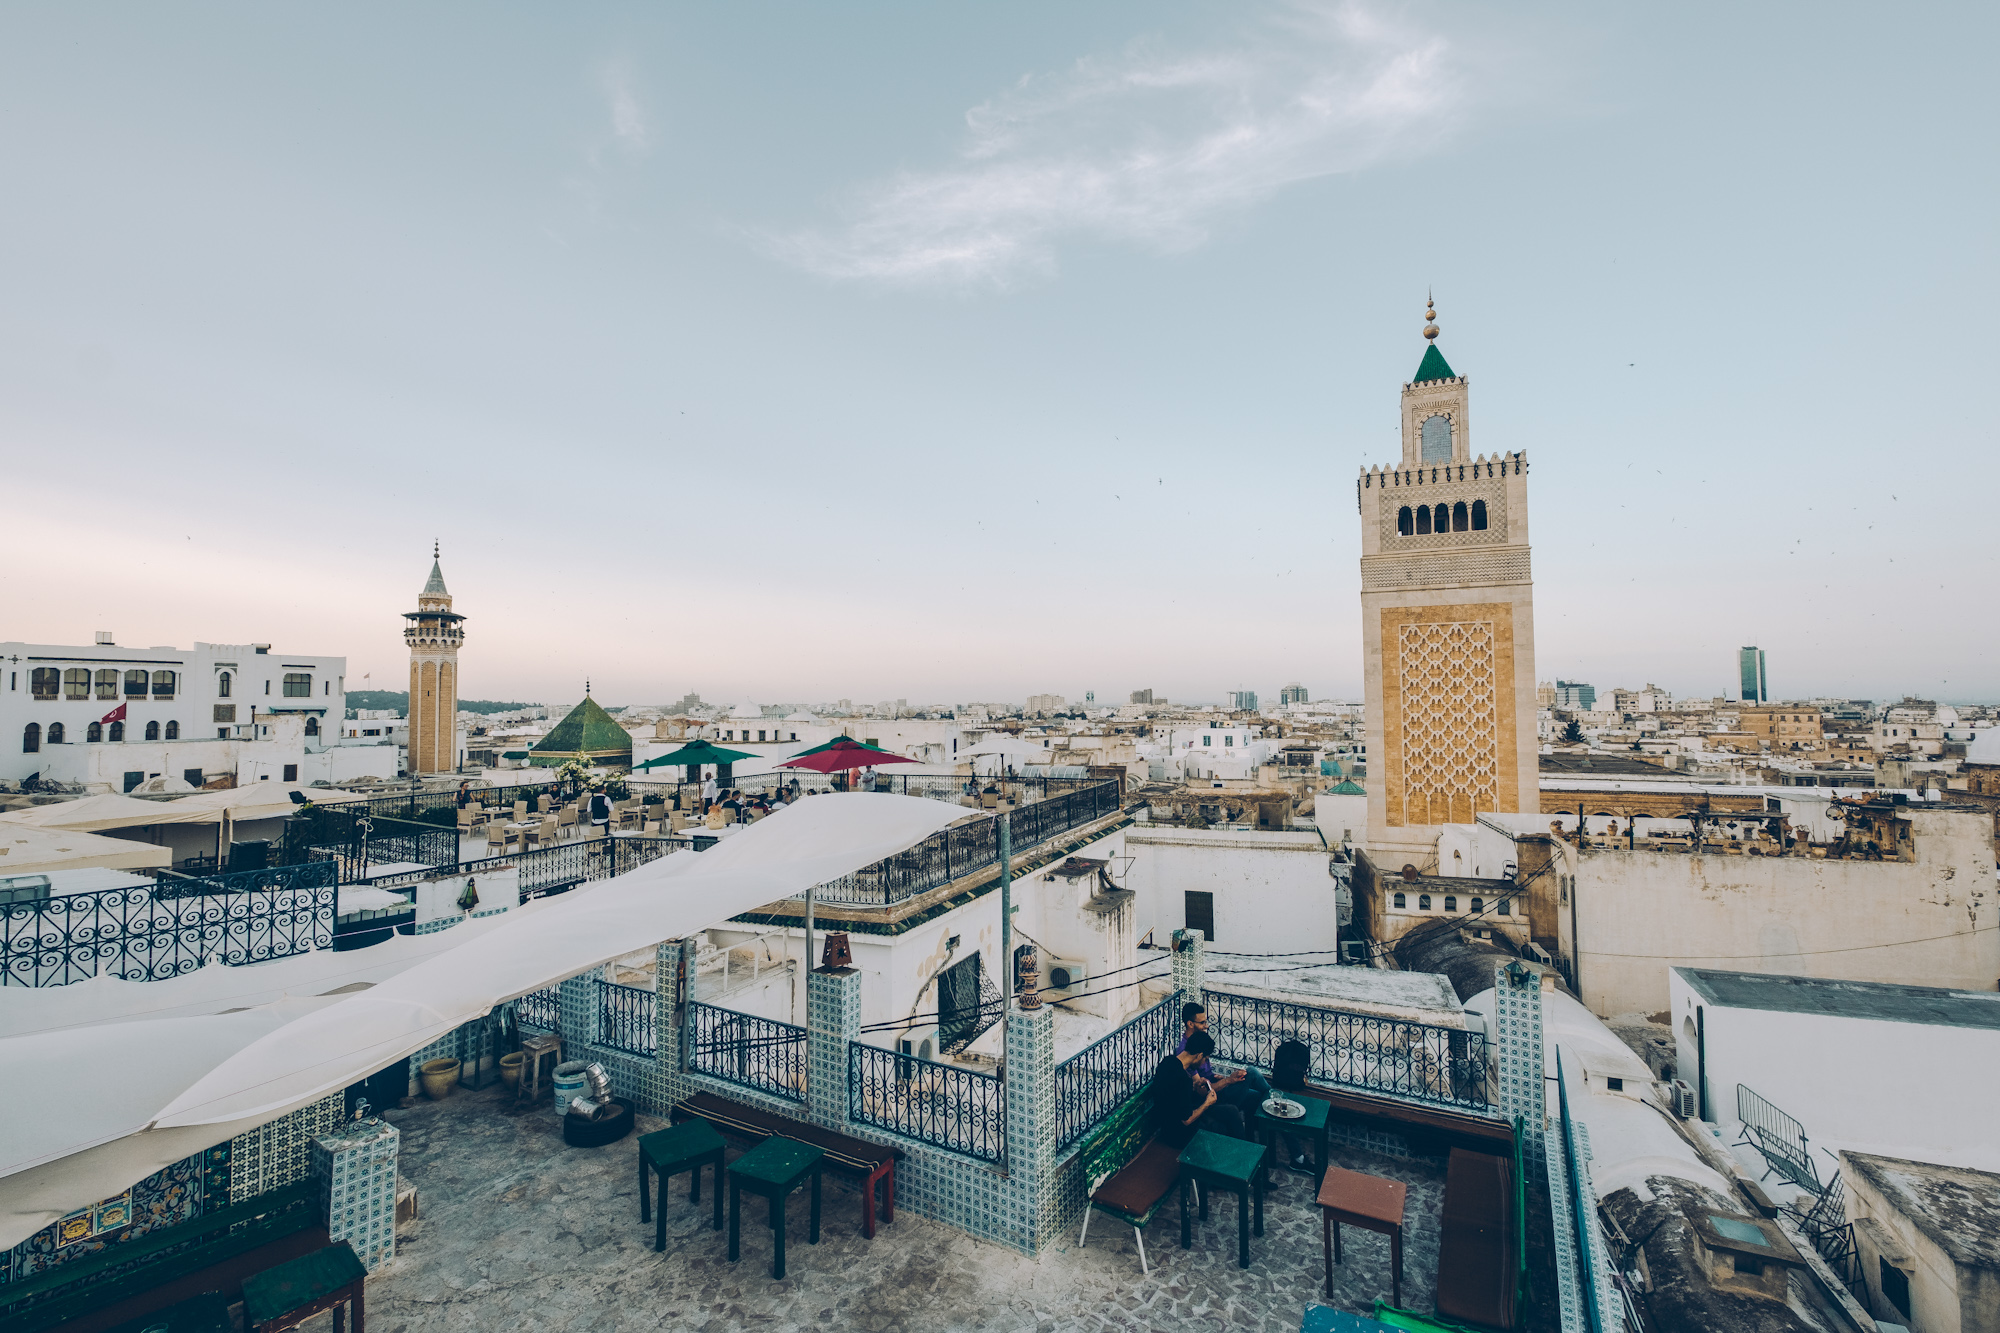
column 921, row 1042
column 1354, row 952
column 1063, row 974
column 1681, row 1098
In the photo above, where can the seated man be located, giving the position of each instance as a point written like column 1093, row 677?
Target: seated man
column 1183, row 1103
column 1244, row 1089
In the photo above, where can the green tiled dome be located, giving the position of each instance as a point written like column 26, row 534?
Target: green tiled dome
column 587, row 733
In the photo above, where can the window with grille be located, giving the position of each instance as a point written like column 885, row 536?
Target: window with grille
column 163, row 684
column 31, row 738
column 107, row 684
column 117, row 731
column 76, row 683
column 225, row 713
column 55, row 733
column 1437, row 439
column 135, row 684
column 45, row 682
column 223, row 684
column 173, row 731
column 152, row 731
column 298, row 685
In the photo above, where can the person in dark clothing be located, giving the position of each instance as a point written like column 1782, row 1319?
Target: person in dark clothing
column 464, row 795
column 1183, row 1103
column 1245, row 1089
column 600, row 813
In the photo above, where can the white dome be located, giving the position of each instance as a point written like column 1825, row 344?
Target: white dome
column 801, row 717
column 1985, row 748
column 1947, row 716
column 747, row 709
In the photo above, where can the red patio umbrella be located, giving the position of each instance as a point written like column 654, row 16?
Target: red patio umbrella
column 844, row 755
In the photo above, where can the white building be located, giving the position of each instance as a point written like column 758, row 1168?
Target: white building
column 111, row 717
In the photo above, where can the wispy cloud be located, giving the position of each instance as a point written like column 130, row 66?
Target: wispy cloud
column 628, row 118
column 1150, row 147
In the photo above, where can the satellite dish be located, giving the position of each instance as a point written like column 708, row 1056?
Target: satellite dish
column 1409, row 872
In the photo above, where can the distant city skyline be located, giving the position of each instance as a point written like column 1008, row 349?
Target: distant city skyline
column 804, row 352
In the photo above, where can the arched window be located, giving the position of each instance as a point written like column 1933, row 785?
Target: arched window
column 94, row 733
column 31, row 738
column 44, row 682
column 1400, row 901
column 117, row 731
column 1451, row 902
column 107, row 684
column 1443, row 518
column 135, row 684
column 1478, row 905
column 1423, row 520
column 1437, row 439
column 312, row 726
column 1458, row 517
column 173, row 731
column 76, row 683
column 222, row 684
column 1405, row 523
column 55, row 733
column 1479, row 515
column 1423, row 902
column 152, row 731
column 163, row 684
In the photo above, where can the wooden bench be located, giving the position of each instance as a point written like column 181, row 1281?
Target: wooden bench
column 130, row 1279
column 870, row 1163
column 1429, row 1130
column 1479, row 1250
column 1126, row 1174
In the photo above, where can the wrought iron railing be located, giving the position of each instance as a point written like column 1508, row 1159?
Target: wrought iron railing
column 147, row 933
column 954, row 852
column 935, row 786
column 555, row 868
column 1781, row 1139
column 540, row 1009
column 1391, row 1055
column 625, row 1018
column 358, row 842
column 756, row 1052
column 961, row 1110
column 1094, row 1082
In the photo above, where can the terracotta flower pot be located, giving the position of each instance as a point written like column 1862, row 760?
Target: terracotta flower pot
column 510, row 1069
column 438, row 1078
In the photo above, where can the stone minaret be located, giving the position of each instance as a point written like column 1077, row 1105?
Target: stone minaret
column 434, row 637
column 1448, row 624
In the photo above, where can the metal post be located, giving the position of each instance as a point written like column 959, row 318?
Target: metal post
column 809, row 945
column 1006, row 921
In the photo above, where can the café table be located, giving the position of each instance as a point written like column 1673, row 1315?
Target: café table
column 1313, row 1122
column 1221, row 1161
column 1373, row 1203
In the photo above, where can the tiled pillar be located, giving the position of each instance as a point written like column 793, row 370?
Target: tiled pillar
column 1031, row 1123
column 1188, row 964
column 673, row 959
column 833, row 1019
column 576, row 1011
column 355, row 1168
column 1517, row 1033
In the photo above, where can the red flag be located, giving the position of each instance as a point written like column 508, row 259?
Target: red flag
column 115, row 715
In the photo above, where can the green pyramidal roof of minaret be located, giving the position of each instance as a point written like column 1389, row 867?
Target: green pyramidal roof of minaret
column 1432, row 367
column 588, row 729
column 436, row 588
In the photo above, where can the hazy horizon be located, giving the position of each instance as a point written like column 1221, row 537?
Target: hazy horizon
column 951, row 354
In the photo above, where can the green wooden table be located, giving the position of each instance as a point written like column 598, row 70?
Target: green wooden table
column 1221, row 1162
column 668, row 1152
column 286, row 1296
column 1313, row 1122
column 774, row 1168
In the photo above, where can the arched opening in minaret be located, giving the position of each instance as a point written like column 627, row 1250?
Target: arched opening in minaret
column 1437, row 439
column 1423, row 520
column 1458, row 520
column 1443, row 518
column 1479, row 515
column 1405, row 524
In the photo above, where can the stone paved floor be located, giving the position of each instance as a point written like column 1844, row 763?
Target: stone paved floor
column 518, row 1231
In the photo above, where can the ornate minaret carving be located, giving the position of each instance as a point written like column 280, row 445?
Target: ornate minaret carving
column 1448, row 624
column 434, row 637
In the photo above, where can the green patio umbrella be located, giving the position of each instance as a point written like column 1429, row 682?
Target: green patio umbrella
column 695, row 752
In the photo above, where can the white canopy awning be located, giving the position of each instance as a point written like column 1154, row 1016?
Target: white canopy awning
column 266, row 1075
column 27, row 850
column 110, row 810
column 256, row 800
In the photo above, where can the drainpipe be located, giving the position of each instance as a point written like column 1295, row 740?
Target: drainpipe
column 1007, row 979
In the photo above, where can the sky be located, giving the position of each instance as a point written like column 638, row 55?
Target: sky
column 799, row 352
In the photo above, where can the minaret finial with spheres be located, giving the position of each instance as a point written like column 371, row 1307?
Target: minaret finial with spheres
column 1430, row 318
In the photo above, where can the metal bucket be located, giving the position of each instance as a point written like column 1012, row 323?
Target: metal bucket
column 600, row 1082
column 592, row 1110
column 570, row 1083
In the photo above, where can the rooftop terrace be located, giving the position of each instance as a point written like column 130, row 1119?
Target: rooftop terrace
column 518, row 1230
